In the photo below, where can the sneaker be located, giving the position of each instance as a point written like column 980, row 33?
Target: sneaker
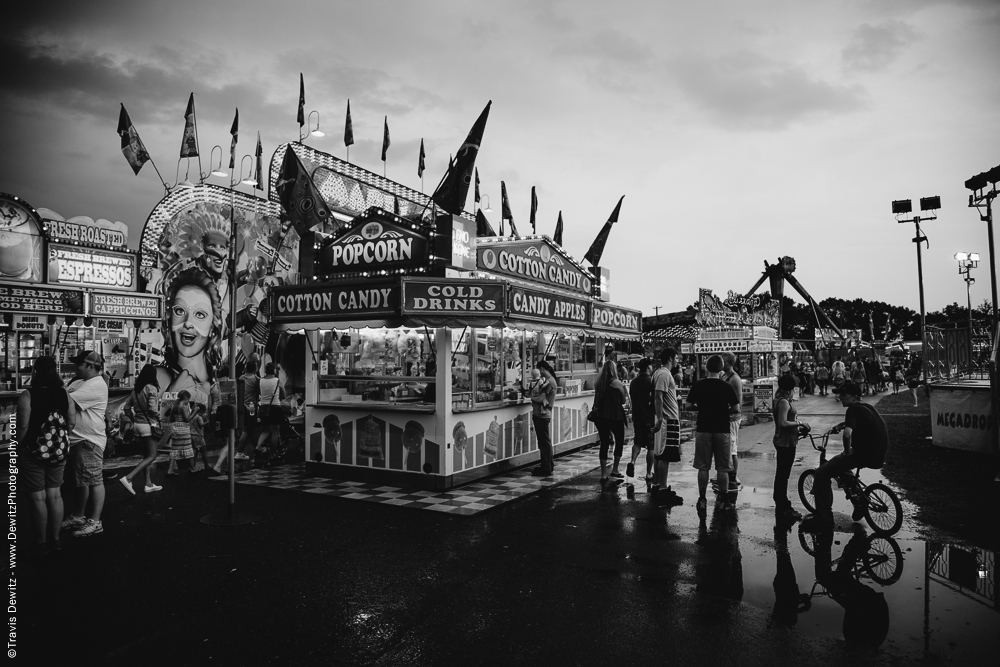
column 91, row 528
column 859, row 512
column 127, row 484
column 541, row 472
column 702, row 504
column 240, row 456
column 617, row 475
column 649, row 479
column 73, row 522
column 154, row 487
column 789, row 514
column 217, row 471
column 815, row 524
column 630, row 470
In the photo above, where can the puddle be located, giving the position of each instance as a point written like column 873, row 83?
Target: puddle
column 921, row 599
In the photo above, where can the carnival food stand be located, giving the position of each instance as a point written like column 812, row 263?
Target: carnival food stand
column 419, row 338
column 747, row 327
column 65, row 286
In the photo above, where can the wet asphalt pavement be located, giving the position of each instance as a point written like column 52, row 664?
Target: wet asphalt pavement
column 572, row 575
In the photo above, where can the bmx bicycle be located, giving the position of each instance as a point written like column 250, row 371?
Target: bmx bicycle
column 882, row 558
column 881, row 507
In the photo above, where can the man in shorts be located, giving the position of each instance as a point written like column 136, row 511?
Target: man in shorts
column 730, row 375
column 866, row 440
column 89, row 394
column 715, row 400
column 666, row 427
column 643, row 418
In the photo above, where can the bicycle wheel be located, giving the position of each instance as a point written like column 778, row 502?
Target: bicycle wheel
column 807, row 541
column 806, row 481
column 883, row 560
column 884, row 513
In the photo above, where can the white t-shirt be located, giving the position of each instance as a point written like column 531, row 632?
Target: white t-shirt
column 91, row 398
column 269, row 395
column 663, row 381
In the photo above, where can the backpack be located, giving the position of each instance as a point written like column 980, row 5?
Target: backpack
column 53, row 439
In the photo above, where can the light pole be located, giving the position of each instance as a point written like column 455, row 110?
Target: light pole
column 966, row 262
column 902, row 207
column 981, row 196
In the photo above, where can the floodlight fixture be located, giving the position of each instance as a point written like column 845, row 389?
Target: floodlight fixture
column 930, row 203
column 485, row 209
column 993, row 175
column 977, row 182
column 902, row 206
column 974, row 256
column 217, row 171
column 961, row 256
column 311, row 132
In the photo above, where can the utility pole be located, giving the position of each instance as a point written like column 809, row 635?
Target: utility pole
column 657, row 309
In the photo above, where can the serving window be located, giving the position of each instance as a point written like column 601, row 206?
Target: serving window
column 382, row 365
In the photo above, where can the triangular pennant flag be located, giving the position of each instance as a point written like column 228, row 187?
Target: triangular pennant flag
column 299, row 197
column 483, row 226
column 505, row 209
column 260, row 165
column 349, row 127
column 534, row 208
column 189, row 144
column 235, row 131
column 385, row 138
column 477, row 185
column 557, row 237
column 454, row 188
column 395, row 205
column 597, row 247
column 132, row 147
column 420, row 161
column 301, row 115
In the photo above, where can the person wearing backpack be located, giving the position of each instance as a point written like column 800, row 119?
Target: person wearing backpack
column 40, row 409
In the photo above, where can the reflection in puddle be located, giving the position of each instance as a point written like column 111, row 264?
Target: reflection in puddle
column 921, row 599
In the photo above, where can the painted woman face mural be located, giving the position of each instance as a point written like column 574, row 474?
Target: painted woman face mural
column 191, row 320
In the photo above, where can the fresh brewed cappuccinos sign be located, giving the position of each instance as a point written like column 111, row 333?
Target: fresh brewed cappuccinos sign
column 535, row 259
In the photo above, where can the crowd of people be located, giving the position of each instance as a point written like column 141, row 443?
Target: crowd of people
column 652, row 400
column 868, row 374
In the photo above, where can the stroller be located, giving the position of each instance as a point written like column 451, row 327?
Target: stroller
column 290, row 447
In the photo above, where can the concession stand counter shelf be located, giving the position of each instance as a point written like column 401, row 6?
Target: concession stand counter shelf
column 417, row 349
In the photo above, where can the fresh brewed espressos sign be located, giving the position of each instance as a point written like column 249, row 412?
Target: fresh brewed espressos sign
column 539, row 260
column 616, row 319
column 374, row 243
column 86, row 267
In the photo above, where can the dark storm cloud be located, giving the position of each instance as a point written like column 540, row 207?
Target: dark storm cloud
column 875, row 47
column 91, row 83
column 744, row 90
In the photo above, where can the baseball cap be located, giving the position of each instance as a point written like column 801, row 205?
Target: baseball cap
column 849, row 388
column 89, row 356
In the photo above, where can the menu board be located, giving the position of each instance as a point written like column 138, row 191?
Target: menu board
column 41, row 300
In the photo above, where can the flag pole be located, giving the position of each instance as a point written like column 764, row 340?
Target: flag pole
column 160, row 176
column 194, row 112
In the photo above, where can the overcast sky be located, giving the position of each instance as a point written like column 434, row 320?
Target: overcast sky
column 738, row 131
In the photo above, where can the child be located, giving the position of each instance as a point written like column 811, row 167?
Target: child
column 533, row 385
column 198, row 436
column 180, row 435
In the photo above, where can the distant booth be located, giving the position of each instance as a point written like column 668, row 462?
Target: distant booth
column 419, row 336
column 668, row 330
column 748, row 327
column 66, row 286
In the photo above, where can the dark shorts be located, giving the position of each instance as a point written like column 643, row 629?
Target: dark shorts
column 37, row 476
column 669, row 435
column 271, row 416
column 642, row 434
